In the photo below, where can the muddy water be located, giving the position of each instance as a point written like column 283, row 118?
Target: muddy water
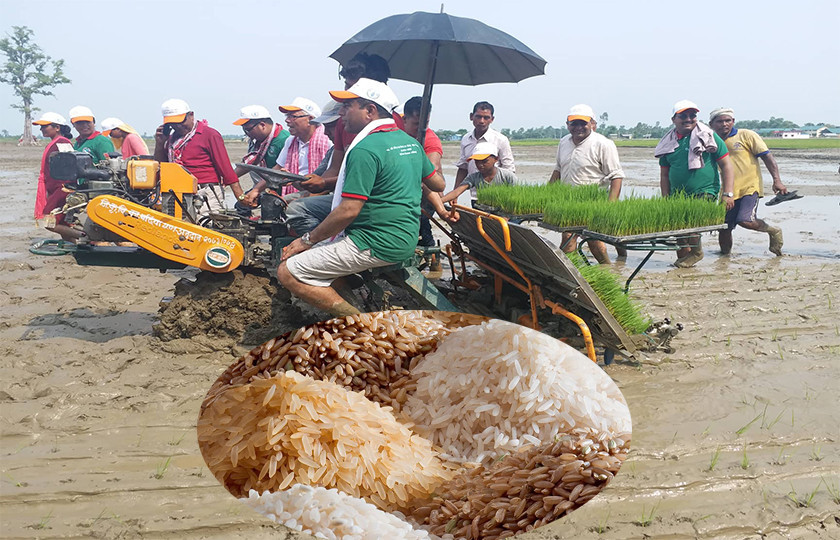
column 97, row 416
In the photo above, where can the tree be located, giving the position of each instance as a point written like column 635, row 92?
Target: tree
column 29, row 71
column 605, row 117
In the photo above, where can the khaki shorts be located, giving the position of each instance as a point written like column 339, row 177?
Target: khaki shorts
column 324, row 263
column 215, row 195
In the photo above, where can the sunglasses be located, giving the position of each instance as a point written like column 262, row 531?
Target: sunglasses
column 687, row 115
column 294, row 116
column 578, row 123
column 247, row 128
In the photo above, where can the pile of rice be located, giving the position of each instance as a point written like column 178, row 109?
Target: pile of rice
column 331, row 514
column 371, row 353
column 291, row 429
column 524, row 490
column 489, row 389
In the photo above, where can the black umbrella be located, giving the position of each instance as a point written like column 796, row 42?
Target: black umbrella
column 431, row 48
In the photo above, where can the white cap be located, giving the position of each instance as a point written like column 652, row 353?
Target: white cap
column 728, row 111
column 580, row 112
column 374, row 91
column 50, row 118
column 684, row 105
column 174, row 111
column 330, row 112
column 301, row 104
column 251, row 112
column 79, row 112
column 483, row 150
column 110, row 123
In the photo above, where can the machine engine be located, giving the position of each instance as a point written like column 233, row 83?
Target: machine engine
column 166, row 187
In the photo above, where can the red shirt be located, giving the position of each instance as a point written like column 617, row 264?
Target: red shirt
column 342, row 139
column 206, row 157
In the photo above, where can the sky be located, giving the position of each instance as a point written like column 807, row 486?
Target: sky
column 632, row 60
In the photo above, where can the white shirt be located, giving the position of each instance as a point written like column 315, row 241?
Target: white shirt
column 593, row 161
column 303, row 155
column 468, row 142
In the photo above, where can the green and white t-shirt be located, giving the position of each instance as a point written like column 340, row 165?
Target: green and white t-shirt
column 386, row 170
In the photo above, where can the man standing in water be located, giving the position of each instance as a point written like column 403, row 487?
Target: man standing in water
column 745, row 147
column 585, row 158
column 689, row 157
column 482, row 117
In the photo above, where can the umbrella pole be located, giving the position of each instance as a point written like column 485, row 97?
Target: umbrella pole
column 427, row 94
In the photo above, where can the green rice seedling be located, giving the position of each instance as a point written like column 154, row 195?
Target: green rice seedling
column 833, row 490
column 160, row 470
column 715, row 458
column 782, row 458
column 44, row 522
column 533, row 199
column 176, row 442
column 751, row 422
column 647, row 517
column 602, row 524
column 745, row 460
column 775, row 420
column 816, row 453
column 805, row 501
column 609, row 290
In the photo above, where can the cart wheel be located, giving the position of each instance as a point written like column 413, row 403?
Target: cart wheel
column 52, row 247
column 609, row 355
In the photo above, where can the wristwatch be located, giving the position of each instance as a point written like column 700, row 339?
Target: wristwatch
column 305, row 239
column 728, row 194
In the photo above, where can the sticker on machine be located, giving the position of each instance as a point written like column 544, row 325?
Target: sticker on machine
column 217, row 257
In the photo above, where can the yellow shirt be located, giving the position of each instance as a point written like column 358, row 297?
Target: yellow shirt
column 745, row 147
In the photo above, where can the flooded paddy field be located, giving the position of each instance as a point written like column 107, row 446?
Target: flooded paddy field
column 735, row 434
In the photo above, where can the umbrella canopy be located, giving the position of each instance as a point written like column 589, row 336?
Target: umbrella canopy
column 429, row 48
column 468, row 51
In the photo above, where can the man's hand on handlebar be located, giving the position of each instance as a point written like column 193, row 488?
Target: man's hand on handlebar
column 313, row 184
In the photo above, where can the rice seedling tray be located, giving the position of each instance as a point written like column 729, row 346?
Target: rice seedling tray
column 657, row 241
column 513, row 218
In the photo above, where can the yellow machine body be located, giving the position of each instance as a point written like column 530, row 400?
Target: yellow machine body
column 176, row 178
column 165, row 235
column 142, row 173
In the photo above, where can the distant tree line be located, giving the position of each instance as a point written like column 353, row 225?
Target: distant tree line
column 640, row 131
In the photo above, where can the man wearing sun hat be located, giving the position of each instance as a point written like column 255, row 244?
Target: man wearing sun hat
column 689, row 157
column 124, row 137
column 265, row 142
column 376, row 203
column 308, row 143
column 304, row 214
column 199, row 149
column 89, row 140
column 585, row 157
column 745, row 147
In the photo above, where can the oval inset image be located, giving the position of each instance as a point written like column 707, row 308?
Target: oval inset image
column 414, row 424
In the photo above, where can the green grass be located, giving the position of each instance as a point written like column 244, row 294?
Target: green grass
column 609, row 289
